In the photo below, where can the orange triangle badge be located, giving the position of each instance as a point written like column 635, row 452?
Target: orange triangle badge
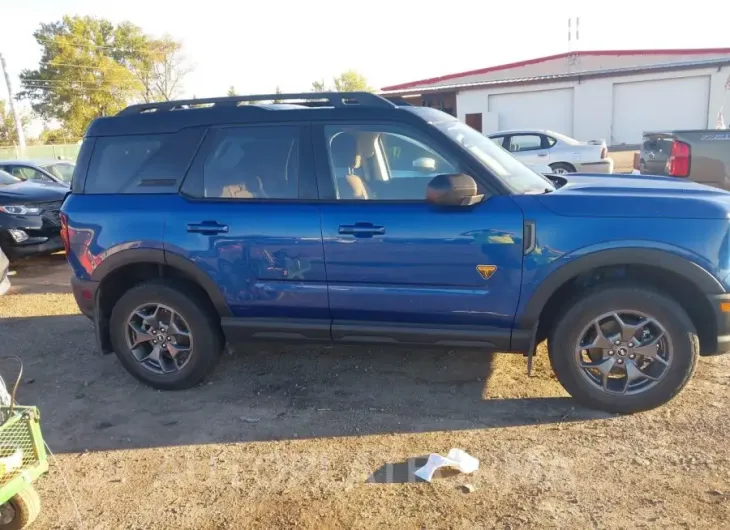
column 486, row 271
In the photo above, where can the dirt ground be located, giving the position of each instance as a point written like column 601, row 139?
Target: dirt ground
column 285, row 437
column 623, row 160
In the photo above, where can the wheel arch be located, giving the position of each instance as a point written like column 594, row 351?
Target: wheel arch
column 118, row 261
column 564, row 163
column 684, row 279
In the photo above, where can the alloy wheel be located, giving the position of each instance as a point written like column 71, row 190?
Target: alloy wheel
column 624, row 352
column 159, row 338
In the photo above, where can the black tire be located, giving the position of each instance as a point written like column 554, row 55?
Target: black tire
column 642, row 167
column 27, row 507
column 627, row 296
column 194, row 308
column 565, row 167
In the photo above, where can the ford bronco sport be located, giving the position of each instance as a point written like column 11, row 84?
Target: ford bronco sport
column 349, row 218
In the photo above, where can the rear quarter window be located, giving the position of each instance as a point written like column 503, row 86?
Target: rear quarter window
column 154, row 163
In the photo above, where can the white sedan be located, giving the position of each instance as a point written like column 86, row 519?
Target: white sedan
column 562, row 153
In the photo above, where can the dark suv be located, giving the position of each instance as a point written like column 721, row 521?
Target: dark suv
column 349, row 218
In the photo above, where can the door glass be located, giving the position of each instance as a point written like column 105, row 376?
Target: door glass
column 253, row 163
column 499, row 140
column 525, row 142
column 370, row 164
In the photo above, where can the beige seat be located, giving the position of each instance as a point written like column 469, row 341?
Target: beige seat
column 348, row 150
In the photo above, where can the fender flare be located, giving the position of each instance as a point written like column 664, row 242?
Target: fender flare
column 698, row 276
column 161, row 257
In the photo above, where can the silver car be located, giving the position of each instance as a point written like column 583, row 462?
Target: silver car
column 562, row 153
column 4, row 269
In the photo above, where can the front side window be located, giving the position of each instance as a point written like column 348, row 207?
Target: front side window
column 380, row 163
column 28, row 173
column 253, row 163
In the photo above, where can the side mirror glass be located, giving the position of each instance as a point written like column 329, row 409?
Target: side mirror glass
column 453, row 190
column 424, row 164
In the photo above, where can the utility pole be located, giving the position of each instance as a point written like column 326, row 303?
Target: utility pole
column 13, row 110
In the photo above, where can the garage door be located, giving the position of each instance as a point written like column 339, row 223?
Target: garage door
column 658, row 105
column 542, row 109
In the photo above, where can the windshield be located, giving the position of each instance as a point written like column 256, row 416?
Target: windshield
column 513, row 173
column 61, row 170
column 7, row 178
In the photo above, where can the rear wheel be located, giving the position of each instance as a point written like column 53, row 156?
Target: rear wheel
column 624, row 349
column 560, row 168
column 21, row 510
column 166, row 334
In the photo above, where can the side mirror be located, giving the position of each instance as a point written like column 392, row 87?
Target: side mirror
column 424, row 164
column 453, row 190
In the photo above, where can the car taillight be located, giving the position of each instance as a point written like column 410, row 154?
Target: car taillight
column 678, row 163
column 604, row 153
column 64, row 232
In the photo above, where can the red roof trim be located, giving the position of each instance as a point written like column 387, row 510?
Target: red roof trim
column 693, row 51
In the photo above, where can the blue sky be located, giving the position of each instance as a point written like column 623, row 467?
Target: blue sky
column 259, row 45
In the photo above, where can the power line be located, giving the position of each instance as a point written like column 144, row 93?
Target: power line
column 84, row 44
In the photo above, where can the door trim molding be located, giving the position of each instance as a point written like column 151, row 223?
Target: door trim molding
column 239, row 329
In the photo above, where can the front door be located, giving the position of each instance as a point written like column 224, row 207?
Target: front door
column 398, row 268
column 247, row 216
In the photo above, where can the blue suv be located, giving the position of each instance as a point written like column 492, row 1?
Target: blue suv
column 351, row 218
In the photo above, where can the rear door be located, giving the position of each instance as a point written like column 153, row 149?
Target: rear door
column 529, row 148
column 399, row 269
column 247, row 215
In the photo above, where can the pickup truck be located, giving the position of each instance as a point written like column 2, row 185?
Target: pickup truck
column 700, row 155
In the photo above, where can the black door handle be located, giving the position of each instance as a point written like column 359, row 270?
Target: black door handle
column 208, row 228
column 362, row 230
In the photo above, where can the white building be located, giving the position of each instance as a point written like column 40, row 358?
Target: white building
column 590, row 95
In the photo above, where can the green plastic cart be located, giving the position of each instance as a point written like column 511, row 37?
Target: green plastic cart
column 23, row 460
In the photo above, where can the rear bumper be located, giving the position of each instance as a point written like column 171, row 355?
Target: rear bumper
column 601, row 166
column 85, row 294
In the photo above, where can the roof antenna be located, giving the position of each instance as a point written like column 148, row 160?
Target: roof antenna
column 573, row 37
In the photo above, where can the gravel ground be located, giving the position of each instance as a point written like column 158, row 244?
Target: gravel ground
column 285, row 437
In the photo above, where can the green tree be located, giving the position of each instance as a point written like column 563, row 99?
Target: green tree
column 8, row 131
column 319, row 86
column 161, row 68
column 57, row 136
column 231, row 91
column 348, row 81
column 278, row 91
column 91, row 67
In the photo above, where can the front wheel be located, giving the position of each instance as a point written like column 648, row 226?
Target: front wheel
column 624, row 348
column 21, row 510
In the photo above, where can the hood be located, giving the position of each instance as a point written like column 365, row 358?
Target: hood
column 28, row 192
column 641, row 196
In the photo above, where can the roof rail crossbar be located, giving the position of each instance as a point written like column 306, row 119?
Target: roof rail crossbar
column 334, row 99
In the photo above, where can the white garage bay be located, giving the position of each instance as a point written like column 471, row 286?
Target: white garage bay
column 609, row 95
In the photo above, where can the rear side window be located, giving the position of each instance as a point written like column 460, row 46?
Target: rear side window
column 253, row 163
column 141, row 163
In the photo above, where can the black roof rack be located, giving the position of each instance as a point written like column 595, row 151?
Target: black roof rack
column 334, row 99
